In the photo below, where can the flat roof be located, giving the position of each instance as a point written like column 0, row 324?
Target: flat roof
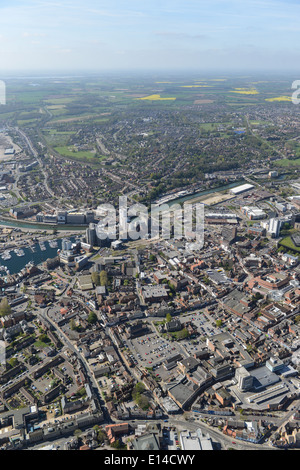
column 242, row 188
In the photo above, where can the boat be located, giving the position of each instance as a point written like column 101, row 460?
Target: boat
column 19, row 252
column 42, row 246
column 6, row 256
column 53, row 244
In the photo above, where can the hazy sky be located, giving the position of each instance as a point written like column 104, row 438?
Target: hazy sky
column 149, row 34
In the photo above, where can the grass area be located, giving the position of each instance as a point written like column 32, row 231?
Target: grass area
column 60, row 101
column 25, row 122
column 285, row 162
column 213, row 126
column 288, row 243
column 40, row 345
column 68, row 152
column 83, row 155
column 59, row 139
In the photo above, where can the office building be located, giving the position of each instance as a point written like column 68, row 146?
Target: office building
column 91, row 235
column 244, row 379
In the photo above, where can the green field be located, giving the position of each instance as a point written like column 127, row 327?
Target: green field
column 285, row 162
column 288, row 243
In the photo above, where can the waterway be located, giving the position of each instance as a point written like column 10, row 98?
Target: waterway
column 16, row 263
column 42, row 227
column 199, row 194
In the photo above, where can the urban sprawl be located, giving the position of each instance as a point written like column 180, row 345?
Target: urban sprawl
column 149, row 344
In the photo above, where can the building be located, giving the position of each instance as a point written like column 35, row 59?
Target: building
column 253, row 213
column 184, row 394
column 66, row 245
column 22, row 212
column 274, row 227
column 91, row 235
column 10, row 151
column 61, row 217
column 195, row 441
column 173, row 325
column 74, row 218
column 257, row 230
column 274, row 364
column 155, row 293
column 244, row 379
column 146, row 442
column 115, row 430
column 241, row 189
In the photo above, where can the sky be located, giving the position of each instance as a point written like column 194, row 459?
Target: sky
column 229, row 35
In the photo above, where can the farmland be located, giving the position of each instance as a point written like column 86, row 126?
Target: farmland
column 156, row 133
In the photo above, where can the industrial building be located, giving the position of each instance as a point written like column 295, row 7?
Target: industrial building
column 253, row 213
column 241, row 189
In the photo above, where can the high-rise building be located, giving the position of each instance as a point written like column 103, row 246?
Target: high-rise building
column 66, row 244
column 91, row 235
column 244, row 379
column 274, row 227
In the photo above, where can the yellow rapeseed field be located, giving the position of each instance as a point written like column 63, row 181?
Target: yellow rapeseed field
column 195, row 86
column 245, row 91
column 280, row 98
column 155, row 98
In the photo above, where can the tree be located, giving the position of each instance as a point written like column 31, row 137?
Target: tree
column 103, row 278
column 168, row 317
column 72, row 324
column 44, row 338
column 92, row 318
column 143, row 402
column 139, row 388
column 13, row 362
column 96, row 278
column 183, row 334
column 5, row 308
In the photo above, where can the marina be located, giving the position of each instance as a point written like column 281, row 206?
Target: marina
column 16, row 259
column 42, row 246
column 6, row 256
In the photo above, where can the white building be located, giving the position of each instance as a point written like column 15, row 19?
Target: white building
column 274, row 227
column 195, row 441
column 241, row 189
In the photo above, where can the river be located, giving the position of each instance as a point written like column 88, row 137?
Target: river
column 16, row 263
column 199, row 194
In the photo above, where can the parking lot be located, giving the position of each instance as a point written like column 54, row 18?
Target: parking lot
column 151, row 350
column 171, row 439
column 206, row 327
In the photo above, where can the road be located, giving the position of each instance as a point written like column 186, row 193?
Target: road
column 80, row 357
column 36, row 156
